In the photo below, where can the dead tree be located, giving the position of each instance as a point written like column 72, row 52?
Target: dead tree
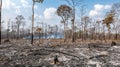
column 73, row 4
column 0, row 18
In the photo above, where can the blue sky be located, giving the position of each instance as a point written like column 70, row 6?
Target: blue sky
column 45, row 12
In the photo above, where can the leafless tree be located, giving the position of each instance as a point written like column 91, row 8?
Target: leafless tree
column 39, row 1
column 82, row 13
column 8, row 28
column 65, row 12
column 39, row 30
column 14, row 29
column 109, row 20
column 23, row 27
column 86, row 21
column 98, row 29
column 116, row 10
column 73, row 4
column 0, row 18
column 19, row 21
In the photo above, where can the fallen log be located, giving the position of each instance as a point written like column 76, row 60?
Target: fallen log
column 98, row 56
column 52, row 50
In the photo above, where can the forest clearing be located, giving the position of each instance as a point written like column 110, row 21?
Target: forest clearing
column 22, row 53
column 59, row 33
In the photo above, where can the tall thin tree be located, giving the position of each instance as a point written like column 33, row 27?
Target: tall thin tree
column 0, row 18
column 86, row 20
column 65, row 12
column 116, row 10
column 109, row 20
column 8, row 25
column 19, row 21
column 39, row 1
column 73, row 4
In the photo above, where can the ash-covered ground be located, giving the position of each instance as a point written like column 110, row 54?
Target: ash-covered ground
column 23, row 54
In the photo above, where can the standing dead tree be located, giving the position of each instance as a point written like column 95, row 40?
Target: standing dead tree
column 65, row 12
column 39, row 1
column 39, row 30
column 116, row 9
column 19, row 21
column 73, row 4
column 86, row 20
column 108, row 20
column 0, row 18
column 8, row 29
column 82, row 13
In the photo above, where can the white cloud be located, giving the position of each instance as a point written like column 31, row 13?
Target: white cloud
column 50, row 16
column 98, row 9
column 107, row 6
column 18, row 11
column 49, row 13
column 35, row 6
column 10, row 5
column 37, row 17
column 7, row 4
column 25, row 3
column 94, row 13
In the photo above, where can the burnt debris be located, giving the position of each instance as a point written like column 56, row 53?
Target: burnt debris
column 113, row 43
column 56, row 59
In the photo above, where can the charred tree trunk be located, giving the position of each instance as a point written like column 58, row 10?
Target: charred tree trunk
column 109, row 35
column 18, row 33
column 32, row 22
column 73, row 22
column 39, row 36
column 116, row 36
column 104, row 33
column 64, row 32
column 0, row 18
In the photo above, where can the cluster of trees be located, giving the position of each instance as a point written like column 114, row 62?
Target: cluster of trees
column 16, row 29
column 68, row 12
column 87, row 27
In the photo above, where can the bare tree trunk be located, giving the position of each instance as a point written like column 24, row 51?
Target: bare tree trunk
column 0, row 24
column 8, row 30
column 64, row 32
column 82, row 33
column 12, row 30
column 23, row 32
column 32, row 22
column 98, row 31
column 73, row 23
column 0, row 18
column 104, row 33
column 7, row 34
column 46, row 31
column 39, row 36
column 109, row 34
column 42, row 33
column 95, row 34
column 116, row 36
column 18, row 32
column 73, row 4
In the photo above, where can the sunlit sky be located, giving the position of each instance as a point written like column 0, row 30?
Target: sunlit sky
column 46, row 12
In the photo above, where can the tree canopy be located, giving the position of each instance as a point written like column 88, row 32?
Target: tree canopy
column 65, row 12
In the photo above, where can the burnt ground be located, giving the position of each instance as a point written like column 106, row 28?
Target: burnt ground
column 23, row 54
